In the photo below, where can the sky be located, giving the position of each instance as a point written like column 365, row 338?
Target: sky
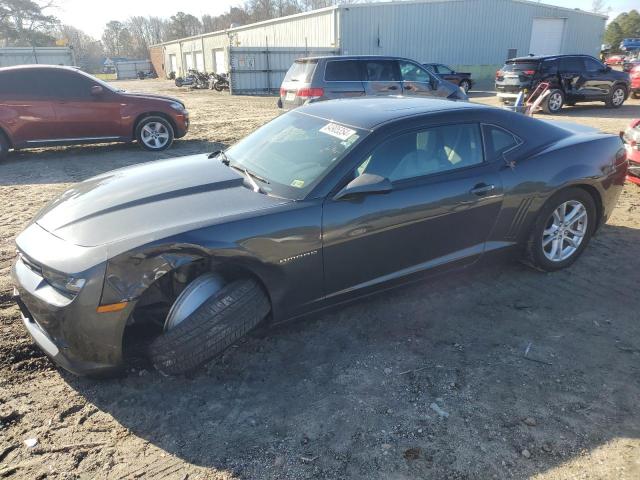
column 92, row 15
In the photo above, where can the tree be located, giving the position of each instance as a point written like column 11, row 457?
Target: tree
column 87, row 50
column 117, row 39
column 24, row 23
column 625, row 25
column 183, row 25
column 600, row 6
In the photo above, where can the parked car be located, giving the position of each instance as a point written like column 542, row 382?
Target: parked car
column 614, row 60
column 324, row 78
column 631, row 137
column 326, row 203
column 634, row 74
column 462, row 79
column 49, row 105
column 572, row 79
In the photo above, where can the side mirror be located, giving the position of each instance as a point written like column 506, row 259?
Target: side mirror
column 97, row 90
column 365, row 183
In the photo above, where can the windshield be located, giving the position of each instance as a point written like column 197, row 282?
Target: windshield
column 292, row 153
column 301, row 71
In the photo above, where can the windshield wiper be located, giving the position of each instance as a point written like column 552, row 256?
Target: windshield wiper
column 250, row 178
column 223, row 156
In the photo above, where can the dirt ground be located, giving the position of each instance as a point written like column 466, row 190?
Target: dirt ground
column 427, row 381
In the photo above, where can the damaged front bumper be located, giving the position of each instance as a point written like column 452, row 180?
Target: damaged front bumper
column 67, row 328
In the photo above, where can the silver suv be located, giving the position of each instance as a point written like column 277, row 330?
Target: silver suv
column 325, row 78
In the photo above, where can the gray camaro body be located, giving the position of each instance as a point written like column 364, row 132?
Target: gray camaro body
column 126, row 230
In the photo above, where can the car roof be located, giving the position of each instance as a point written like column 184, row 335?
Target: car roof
column 535, row 58
column 39, row 66
column 370, row 112
column 354, row 57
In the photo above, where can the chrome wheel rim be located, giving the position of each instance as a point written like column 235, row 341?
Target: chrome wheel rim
column 564, row 231
column 155, row 135
column 618, row 96
column 555, row 101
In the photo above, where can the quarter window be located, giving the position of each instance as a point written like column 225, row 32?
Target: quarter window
column 499, row 140
column 413, row 73
column 444, row 70
column 343, row 71
column 425, row 152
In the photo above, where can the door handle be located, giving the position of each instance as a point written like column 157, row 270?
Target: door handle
column 408, row 87
column 392, row 87
column 482, row 189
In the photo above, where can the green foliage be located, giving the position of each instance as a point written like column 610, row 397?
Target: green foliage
column 625, row 25
column 23, row 23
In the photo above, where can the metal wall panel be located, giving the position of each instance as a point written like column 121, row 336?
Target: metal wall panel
column 129, row 69
column 260, row 71
column 41, row 55
column 465, row 32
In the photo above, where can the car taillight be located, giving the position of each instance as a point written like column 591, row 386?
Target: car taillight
column 528, row 72
column 310, row 92
column 283, row 92
column 498, row 73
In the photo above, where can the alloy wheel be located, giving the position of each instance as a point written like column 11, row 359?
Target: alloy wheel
column 555, row 102
column 155, row 135
column 565, row 230
column 618, row 97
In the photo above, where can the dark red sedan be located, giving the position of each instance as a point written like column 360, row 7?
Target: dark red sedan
column 48, row 105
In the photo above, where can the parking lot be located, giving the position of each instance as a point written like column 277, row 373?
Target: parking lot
column 426, row 381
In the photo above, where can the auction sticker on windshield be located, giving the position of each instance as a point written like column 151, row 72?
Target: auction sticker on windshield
column 337, row 131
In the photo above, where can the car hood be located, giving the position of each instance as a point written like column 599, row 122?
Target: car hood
column 153, row 97
column 151, row 201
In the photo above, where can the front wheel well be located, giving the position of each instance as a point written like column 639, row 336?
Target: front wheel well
column 147, row 319
column 142, row 116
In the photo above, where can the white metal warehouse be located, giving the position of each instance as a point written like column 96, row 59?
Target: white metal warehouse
column 470, row 35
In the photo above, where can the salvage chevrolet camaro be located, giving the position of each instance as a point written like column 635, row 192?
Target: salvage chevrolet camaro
column 328, row 202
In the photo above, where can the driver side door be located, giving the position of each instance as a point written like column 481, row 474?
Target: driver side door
column 444, row 201
column 81, row 116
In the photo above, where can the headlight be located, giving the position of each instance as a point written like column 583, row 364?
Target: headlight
column 178, row 106
column 65, row 284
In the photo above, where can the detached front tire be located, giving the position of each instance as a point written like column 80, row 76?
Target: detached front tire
column 562, row 230
column 214, row 326
column 154, row 133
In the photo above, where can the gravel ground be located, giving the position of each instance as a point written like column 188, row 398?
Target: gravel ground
column 427, row 381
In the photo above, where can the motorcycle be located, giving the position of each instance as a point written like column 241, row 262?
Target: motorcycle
column 219, row 82
column 142, row 75
column 194, row 79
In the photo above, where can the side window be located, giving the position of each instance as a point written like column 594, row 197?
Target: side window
column 550, row 67
column 499, row 140
column 22, row 84
column 413, row 73
column 431, row 67
column 444, row 70
column 343, row 71
column 381, row 71
column 425, row 152
column 571, row 65
column 69, row 85
column 592, row 65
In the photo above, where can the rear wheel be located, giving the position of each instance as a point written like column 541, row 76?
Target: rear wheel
column 616, row 97
column 214, row 325
column 154, row 133
column 562, row 231
column 465, row 85
column 554, row 102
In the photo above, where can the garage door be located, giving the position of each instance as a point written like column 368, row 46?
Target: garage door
column 200, row 61
column 546, row 36
column 219, row 62
column 188, row 61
